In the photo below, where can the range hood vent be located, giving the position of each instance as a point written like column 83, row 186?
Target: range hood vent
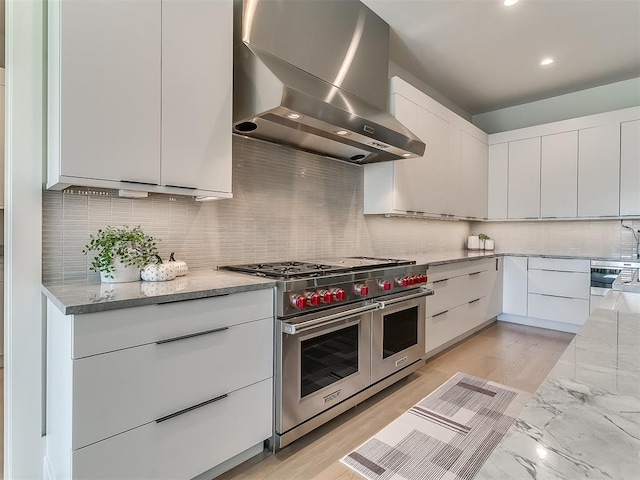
column 314, row 75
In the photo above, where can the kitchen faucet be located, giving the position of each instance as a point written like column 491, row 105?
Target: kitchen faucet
column 635, row 236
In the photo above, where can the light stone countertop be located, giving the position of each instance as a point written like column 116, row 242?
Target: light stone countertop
column 584, row 420
column 86, row 297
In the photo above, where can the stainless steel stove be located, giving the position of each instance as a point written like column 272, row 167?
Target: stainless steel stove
column 346, row 328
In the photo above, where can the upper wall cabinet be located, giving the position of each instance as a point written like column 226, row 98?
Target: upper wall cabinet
column 140, row 95
column 450, row 180
column 586, row 167
column 630, row 168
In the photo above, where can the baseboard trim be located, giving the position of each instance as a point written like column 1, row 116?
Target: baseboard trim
column 231, row 463
column 539, row 322
column 458, row 339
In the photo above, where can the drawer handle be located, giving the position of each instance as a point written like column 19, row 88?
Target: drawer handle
column 441, row 313
column 475, row 273
column 169, row 302
column 476, row 300
column 440, row 281
column 189, row 409
column 191, row 335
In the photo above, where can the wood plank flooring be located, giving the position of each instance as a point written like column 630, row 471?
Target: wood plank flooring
column 514, row 355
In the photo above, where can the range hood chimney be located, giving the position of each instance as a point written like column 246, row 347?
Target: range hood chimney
column 314, row 75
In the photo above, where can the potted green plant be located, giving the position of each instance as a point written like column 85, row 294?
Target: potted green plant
column 121, row 252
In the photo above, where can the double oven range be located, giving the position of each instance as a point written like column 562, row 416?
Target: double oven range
column 345, row 329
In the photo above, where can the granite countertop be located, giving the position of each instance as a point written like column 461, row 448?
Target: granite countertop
column 87, row 297
column 584, row 420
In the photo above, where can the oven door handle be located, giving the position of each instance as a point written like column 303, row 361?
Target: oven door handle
column 294, row 328
column 424, row 292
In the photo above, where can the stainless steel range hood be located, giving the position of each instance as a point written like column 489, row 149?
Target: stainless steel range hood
column 314, row 75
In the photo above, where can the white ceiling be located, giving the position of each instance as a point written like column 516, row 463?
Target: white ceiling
column 484, row 56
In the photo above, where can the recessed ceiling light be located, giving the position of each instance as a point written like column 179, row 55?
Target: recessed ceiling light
column 293, row 116
column 342, row 132
column 406, row 154
column 546, row 61
column 509, row 3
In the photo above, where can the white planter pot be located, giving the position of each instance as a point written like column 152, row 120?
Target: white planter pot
column 489, row 245
column 473, row 242
column 121, row 273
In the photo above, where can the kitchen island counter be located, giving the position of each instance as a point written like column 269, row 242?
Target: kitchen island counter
column 584, row 420
column 87, row 296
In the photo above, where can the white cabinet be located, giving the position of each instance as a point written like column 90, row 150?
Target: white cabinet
column 515, row 286
column 474, row 155
column 524, row 178
column 2, row 123
column 547, row 292
column 138, row 94
column 559, row 175
column 599, row 171
column 154, row 386
column 449, row 180
column 498, row 180
column 463, row 300
column 630, row 168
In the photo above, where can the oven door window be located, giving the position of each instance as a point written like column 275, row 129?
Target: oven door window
column 327, row 358
column 400, row 331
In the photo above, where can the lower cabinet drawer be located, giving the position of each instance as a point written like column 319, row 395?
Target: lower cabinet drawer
column 441, row 328
column 558, row 309
column 445, row 296
column 473, row 286
column 118, row 391
column 183, row 446
column 472, row 314
column 560, row 284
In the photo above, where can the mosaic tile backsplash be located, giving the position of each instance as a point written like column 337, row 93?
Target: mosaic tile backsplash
column 287, row 205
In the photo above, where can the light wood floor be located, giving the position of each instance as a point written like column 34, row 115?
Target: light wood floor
column 514, row 355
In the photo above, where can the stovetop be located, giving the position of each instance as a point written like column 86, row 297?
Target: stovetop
column 316, row 268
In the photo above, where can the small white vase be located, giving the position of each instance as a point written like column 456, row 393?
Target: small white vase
column 489, row 244
column 121, row 273
column 473, row 242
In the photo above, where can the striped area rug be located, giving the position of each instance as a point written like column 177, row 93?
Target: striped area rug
column 447, row 435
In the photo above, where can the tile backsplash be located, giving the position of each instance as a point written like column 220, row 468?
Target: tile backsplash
column 288, row 205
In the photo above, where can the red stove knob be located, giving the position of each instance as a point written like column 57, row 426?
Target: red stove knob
column 313, row 299
column 326, row 296
column 412, row 280
column 385, row 285
column 298, row 301
column 339, row 294
column 362, row 290
column 402, row 282
column 423, row 279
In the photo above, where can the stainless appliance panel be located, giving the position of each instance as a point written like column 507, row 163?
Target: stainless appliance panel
column 319, row 368
column 398, row 336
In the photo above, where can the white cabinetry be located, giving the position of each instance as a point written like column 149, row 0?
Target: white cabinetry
column 498, row 180
column 154, row 387
column 599, row 171
column 140, row 95
column 559, row 175
column 585, row 167
column 630, row 168
column 464, row 300
column 547, row 292
column 2, row 123
column 449, row 180
column 524, row 179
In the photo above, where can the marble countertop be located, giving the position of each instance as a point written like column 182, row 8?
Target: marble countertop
column 584, row 420
column 86, row 297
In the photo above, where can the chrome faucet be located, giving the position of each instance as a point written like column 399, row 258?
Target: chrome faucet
column 635, row 236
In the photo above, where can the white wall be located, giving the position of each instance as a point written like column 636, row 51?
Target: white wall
column 23, row 237
column 605, row 98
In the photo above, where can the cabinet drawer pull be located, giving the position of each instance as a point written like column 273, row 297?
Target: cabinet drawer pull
column 475, row 273
column 181, row 186
column 139, row 183
column 441, row 313
column 191, row 335
column 189, row 409
column 169, row 302
column 440, row 281
column 476, row 300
